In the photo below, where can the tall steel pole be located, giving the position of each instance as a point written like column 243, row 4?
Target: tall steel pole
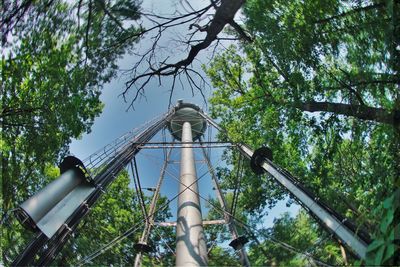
column 191, row 249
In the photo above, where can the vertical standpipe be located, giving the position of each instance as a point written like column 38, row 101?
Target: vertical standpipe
column 191, row 249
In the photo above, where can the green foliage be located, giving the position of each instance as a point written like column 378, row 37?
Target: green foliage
column 319, row 86
column 314, row 149
column 382, row 250
column 56, row 59
column 303, row 236
column 221, row 257
column 52, row 73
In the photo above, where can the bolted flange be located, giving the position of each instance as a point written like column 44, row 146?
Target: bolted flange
column 70, row 162
column 239, row 242
column 258, row 157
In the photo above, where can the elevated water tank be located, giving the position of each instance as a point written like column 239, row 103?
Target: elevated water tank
column 187, row 112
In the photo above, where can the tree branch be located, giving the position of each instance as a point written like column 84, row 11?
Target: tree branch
column 241, row 31
column 224, row 15
column 358, row 111
column 108, row 13
column 350, row 12
column 87, row 31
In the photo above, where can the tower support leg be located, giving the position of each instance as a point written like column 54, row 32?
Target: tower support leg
column 228, row 220
column 150, row 221
column 191, row 249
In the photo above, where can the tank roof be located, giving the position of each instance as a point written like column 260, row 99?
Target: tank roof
column 187, row 112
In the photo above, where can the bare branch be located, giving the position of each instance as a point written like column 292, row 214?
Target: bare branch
column 350, row 12
column 78, row 13
column 224, row 13
column 13, row 12
column 87, row 31
column 108, row 13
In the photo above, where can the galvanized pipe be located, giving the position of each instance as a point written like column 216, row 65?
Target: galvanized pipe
column 43, row 201
column 328, row 220
column 191, row 249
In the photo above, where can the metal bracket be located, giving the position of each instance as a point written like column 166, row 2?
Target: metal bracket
column 70, row 162
column 239, row 242
column 257, row 159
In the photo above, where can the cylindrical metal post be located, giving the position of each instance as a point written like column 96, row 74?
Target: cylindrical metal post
column 191, row 249
column 43, row 201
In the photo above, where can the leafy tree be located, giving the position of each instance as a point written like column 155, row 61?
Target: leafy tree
column 317, row 151
column 53, row 68
column 303, row 236
column 337, row 57
column 318, row 85
column 219, row 256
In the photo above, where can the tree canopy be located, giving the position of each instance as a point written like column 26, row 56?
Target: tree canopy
column 315, row 81
column 319, row 85
column 56, row 59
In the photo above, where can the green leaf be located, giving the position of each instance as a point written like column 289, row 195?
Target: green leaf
column 390, row 249
column 386, row 221
column 388, row 202
column 379, row 255
column 375, row 244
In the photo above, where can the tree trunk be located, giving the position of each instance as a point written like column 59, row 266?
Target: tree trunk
column 358, row 111
column 344, row 254
column 224, row 14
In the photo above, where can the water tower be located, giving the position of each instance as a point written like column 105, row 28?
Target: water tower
column 187, row 125
column 56, row 211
